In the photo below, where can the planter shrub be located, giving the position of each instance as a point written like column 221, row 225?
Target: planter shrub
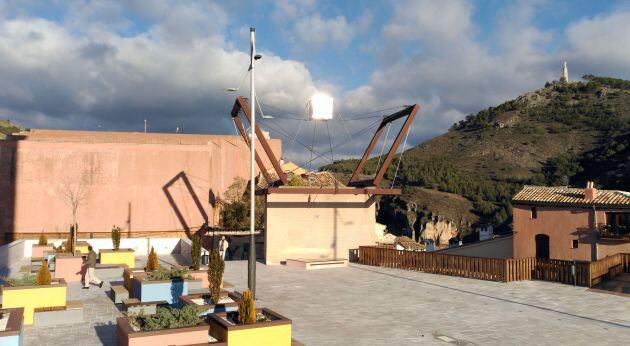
column 32, row 297
column 152, row 261
column 215, row 274
column 116, row 237
column 43, row 275
column 42, row 239
column 195, row 252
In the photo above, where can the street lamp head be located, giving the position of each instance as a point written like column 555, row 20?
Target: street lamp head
column 257, row 57
column 321, row 107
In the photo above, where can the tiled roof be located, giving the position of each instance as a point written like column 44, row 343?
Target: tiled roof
column 315, row 179
column 571, row 196
column 409, row 244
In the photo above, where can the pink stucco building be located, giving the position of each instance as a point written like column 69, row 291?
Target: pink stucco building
column 565, row 223
column 146, row 183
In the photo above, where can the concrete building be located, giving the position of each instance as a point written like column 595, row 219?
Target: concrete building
column 149, row 184
column 317, row 226
column 570, row 223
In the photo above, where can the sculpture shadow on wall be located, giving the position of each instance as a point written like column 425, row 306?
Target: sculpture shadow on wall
column 8, row 169
column 193, row 195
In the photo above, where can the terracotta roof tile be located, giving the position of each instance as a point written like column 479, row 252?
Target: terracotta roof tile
column 571, row 196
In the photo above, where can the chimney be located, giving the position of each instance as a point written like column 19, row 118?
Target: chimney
column 590, row 193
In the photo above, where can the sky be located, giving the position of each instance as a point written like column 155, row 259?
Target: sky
column 108, row 65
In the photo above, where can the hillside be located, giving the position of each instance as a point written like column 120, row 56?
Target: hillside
column 562, row 134
column 7, row 127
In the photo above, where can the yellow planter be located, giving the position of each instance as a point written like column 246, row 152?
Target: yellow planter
column 276, row 332
column 121, row 256
column 33, row 297
column 81, row 247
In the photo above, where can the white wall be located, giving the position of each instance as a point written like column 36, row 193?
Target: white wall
column 142, row 246
column 10, row 254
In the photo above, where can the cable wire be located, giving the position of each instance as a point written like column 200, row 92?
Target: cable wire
column 401, row 155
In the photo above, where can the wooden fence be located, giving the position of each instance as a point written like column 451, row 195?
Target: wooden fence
column 505, row 270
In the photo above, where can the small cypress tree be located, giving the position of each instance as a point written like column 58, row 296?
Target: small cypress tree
column 246, row 308
column 152, row 261
column 216, row 266
column 43, row 275
column 195, row 252
column 42, row 239
column 116, row 237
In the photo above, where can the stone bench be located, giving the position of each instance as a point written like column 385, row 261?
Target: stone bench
column 119, row 292
column 109, row 271
column 313, row 264
column 134, row 306
column 73, row 313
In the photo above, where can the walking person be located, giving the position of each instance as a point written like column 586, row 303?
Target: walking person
column 223, row 246
column 90, row 273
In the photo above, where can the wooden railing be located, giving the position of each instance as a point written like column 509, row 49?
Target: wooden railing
column 505, row 270
column 561, row 271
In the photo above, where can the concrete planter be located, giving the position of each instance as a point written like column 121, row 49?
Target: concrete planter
column 120, row 256
column 129, row 274
column 210, row 308
column 38, row 250
column 168, row 290
column 33, row 297
column 12, row 334
column 274, row 332
column 201, row 274
column 126, row 336
column 69, row 267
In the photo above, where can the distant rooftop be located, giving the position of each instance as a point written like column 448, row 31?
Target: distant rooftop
column 119, row 137
column 570, row 196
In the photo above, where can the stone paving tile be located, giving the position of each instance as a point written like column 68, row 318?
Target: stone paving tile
column 362, row 305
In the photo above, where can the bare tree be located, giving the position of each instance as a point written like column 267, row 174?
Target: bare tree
column 74, row 190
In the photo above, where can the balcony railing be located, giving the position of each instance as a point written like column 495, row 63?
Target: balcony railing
column 614, row 232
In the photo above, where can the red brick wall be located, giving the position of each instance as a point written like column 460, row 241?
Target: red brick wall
column 128, row 181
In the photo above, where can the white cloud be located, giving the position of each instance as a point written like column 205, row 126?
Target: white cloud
column 314, row 32
column 431, row 21
column 172, row 73
column 601, row 44
column 450, row 72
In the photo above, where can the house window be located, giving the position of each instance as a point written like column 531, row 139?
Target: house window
column 574, row 244
column 534, row 213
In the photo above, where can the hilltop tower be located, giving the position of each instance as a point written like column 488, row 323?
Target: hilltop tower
column 565, row 74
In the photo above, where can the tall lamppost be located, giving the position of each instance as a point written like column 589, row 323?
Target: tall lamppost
column 251, row 261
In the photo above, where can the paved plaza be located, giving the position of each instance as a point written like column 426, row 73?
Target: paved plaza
column 362, row 305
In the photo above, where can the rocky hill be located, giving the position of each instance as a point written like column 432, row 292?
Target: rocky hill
column 7, row 127
column 562, row 134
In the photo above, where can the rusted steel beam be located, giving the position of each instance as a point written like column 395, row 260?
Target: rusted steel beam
column 401, row 134
column 334, row 191
column 259, row 161
column 410, row 113
column 241, row 104
column 366, row 156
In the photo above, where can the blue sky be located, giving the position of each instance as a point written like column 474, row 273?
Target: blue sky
column 107, row 65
